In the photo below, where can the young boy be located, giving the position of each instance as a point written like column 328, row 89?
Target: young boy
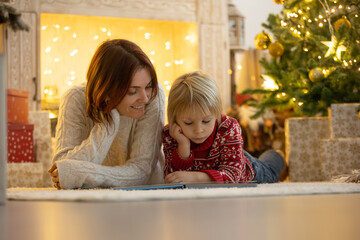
column 202, row 145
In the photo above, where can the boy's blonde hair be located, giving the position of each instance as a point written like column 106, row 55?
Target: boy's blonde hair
column 194, row 89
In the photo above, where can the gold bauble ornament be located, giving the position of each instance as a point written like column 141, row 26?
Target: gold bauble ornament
column 279, row 1
column 262, row 40
column 316, row 74
column 276, row 49
column 342, row 21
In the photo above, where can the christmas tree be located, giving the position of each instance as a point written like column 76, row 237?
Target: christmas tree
column 315, row 49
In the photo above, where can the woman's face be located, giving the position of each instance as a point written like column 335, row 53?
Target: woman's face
column 138, row 95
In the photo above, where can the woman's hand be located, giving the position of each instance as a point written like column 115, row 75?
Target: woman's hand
column 183, row 142
column 55, row 176
column 187, row 177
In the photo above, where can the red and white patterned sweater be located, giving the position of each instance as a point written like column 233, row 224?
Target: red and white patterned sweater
column 221, row 156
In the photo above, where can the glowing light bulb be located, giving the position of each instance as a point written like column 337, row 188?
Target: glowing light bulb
column 69, row 83
column 46, row 91
column 167, row 45
column 43, row 27
column 72, row 73
column 152, row 52
column 269, row 83
column 167, row 64
column 75, row 51
column 239, row 67
column 96, row 37
column 147, row 35
column 74, row 35
column 321, row 25
column 168, row 87
column 187, row 37
column 103, row 29
column 300, row 104
column 66, row 28
column 48, row 49
column 56, row 60
column 55, row 39
column 72, row 77
column 109, row 33
column 57, row 26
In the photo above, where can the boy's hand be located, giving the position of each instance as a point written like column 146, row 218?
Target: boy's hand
column 187, row 177
column 176, row 133
column 183, row 142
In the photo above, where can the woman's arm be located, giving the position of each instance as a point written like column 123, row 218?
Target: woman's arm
column 77, row 137
column 143, row 153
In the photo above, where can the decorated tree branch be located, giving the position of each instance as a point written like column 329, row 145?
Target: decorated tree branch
column 315, row 49
column 9, row 14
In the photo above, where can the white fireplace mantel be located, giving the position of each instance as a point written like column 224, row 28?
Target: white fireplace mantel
column 22, row 48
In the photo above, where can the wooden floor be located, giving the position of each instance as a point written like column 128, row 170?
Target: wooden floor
column 289, row 217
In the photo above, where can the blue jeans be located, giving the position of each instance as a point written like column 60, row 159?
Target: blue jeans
column 268, row 167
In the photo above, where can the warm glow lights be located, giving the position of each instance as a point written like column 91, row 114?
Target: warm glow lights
column 269, row 83
column 69, row 41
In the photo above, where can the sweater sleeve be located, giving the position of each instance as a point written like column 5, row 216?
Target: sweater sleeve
column 173, row 161
column 75, row 139
column 233, row 166
column 144, row 149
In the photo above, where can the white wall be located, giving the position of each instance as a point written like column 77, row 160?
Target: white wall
column 255, row 12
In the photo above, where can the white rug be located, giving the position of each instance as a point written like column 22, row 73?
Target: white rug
column 274, row 189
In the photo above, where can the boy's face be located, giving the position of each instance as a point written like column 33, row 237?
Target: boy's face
column 196, row 125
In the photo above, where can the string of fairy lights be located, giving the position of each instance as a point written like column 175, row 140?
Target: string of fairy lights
column 58, row 49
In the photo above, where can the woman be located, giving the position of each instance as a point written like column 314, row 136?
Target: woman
column 109, row 131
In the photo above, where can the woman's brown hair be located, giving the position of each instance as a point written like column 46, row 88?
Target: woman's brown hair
column 109, row 76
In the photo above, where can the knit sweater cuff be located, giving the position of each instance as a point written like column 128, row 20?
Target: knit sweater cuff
column 182, row 164
column 215, row 175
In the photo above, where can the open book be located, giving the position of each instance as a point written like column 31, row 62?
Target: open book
column 190, row 186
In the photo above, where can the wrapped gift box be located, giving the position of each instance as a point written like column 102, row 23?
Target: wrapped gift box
column 339, row 156
column 344, row 120
column 20, row 142
column 43, row 142
column 302, row 146
column 24, row 175
column 17, row 106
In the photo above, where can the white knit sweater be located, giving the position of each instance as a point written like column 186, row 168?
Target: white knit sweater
column 127, row 152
